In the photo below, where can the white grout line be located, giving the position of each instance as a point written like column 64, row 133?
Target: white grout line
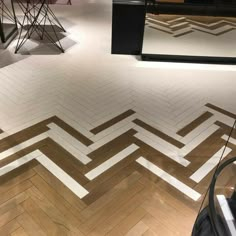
column 68, row 181
column 209, row 165
column 56, row 130
column 68, row 147
column 169, row 179
column 198, row 130
column 19, row 162
column 114, row 127
column 170, row 154
column 112, row 136
column 196, row 141
column 111, row 162
column 23, row 145
column 231, row 140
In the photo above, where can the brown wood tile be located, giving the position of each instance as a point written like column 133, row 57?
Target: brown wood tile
column 17, row 176
column 116, row 169
column 115, row 192
column 12, row 192
column 22, row 153
column 104, row 187
column 10, row 215
column 225, row 112
column 128, row 213
column 128, row 222
column 59, row 187
column 155, row 225
column 42, row 219
column 76, row 134
column 19, row 232
column 194, row 124
column 111, row 208
column 13, row 203
column 21, row 136
column 158, row 133
column 205, row 151
column 112, row 121
column 227, row 129
column 8, row 228
column 29, row 225
column 111, row 148
column 66, row 222
column 165, row 163
column 64, row 160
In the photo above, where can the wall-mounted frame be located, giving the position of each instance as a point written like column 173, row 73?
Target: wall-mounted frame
column 201, row 31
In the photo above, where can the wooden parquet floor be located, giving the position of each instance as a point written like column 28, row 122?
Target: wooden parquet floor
column 56, row 181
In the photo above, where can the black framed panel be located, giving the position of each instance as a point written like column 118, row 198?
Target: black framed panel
column 128, row 17
column 190, row 31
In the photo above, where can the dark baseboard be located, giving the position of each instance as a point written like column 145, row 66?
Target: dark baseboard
column 189, row 59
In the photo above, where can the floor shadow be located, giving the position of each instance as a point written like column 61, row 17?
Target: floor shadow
column 47, row 46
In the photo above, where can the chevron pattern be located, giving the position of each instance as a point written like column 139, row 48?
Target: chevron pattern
column 132, row 142
column 118, row 147
column 181, row 25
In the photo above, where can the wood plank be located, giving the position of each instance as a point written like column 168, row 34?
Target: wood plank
column 76, row 134
column 16, row 177
column 14, row 191
column 13, row 202
column 223, row 111
column 111, row 148
column 158, row 205
column 112, row 121
column 22, row 136
column 116, row 169
column 128, row 213
column 138, row 229
column 9, row 228
column 194, row 124
column 22, row 153
column 159, row 133
column 19, row 232
column 226, row 129
column 56, row 199
column 65, row 161
column 156, row 227
column 42, row 219
column 59, row 188
column 66, row 221
column 128, row 222
column 29, row 225
column 165, row 163
column 104, row 187
column 115, row 192
column 149, row 232
column 10, row 215
column 111, row 208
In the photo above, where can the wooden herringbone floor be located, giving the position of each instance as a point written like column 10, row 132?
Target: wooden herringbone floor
column 118, row 193
column 97, row 144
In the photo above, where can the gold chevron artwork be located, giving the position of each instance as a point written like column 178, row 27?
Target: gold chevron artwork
column 181, row 25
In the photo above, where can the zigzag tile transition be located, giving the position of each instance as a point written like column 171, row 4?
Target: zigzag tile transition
column 124, row 142
column 97, row 144
column 179, row 26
